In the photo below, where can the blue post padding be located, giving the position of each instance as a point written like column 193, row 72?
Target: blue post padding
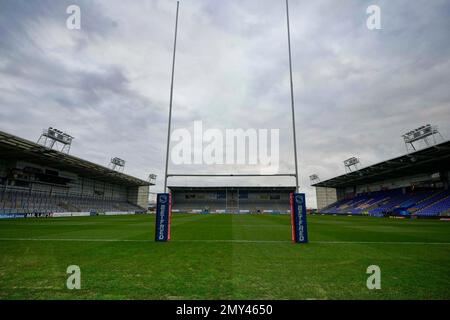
column 162, row 228
column 300, row 226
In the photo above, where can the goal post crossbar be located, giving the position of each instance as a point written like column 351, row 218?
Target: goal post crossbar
column 231, row 175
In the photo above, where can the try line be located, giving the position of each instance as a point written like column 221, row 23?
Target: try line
column 225, row 241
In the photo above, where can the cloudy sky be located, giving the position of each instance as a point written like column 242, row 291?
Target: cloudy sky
column 107, row 84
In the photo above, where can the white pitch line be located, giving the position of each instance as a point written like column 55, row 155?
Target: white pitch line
column 234, row 241
column 73, row 240
column 381, row 242
column 319, row 242
column 226, row 241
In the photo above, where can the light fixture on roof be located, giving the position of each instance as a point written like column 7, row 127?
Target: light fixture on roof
column 117, row 164
column 314, row 178
column 351, row 163
column 152, row 178
column 421, row 134
column 55, row 139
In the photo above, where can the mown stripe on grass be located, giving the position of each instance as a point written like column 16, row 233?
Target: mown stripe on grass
column 74, row 240
column 225, row 241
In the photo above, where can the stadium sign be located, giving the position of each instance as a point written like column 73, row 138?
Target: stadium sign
column 298, row 218
column 163, row 216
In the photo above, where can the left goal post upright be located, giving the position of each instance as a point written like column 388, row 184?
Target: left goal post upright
column 163, row 217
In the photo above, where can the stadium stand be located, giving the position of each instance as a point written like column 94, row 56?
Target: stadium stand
column 36, row 180
column 29, row 202
column 416, row 184
column 423, row 202
column 440, row 207
column 231, row 199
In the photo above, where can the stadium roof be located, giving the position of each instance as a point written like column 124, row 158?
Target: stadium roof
column 12, row 147
column 219, row 188
column 429, row 160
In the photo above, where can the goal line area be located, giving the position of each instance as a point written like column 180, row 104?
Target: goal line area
column 225, row 241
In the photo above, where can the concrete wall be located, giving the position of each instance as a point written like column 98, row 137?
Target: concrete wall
column 139, row 196
column 325, row 197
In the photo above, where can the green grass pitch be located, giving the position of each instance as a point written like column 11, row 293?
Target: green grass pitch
column 222, row 256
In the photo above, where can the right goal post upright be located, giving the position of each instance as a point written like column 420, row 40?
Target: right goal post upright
column 299, row 227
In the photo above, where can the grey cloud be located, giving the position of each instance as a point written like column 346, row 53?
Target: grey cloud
column 356, row 91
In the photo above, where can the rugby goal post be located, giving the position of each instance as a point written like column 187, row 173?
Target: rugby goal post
column 299, row 227
column 297, row 200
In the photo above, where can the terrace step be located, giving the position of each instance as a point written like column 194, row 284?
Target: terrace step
column 432, row 204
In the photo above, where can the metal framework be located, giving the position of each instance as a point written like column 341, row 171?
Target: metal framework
column 117, row 164
column 428, row 160
column 167, row 175
column 152, row 178
column 314, row 178
column 421, row 134
column 55, row 139
column 292, row 97
column 13, row 148
column 350, row 163
column 171, row 98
